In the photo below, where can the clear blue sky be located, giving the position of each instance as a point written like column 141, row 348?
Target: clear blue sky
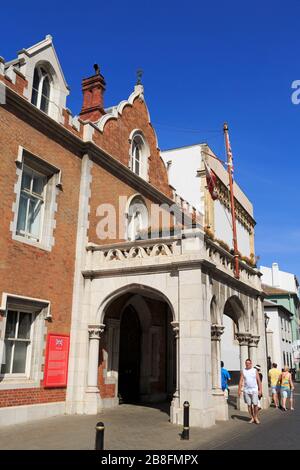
column 204, row 63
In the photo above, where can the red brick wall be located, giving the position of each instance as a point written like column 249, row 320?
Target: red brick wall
column 19, row 86
column 31, row 396
column 106, row 189
column 26, row 270
column 106, row 390
column 114, row 140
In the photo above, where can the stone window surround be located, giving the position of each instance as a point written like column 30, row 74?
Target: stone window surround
column 54, row 184
column 145, row 216
column 42, row 310
column 137, row 136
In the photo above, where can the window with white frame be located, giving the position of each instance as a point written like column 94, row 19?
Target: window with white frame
column 17, row 343
column 139, row 156
column 31, row 204
column 136, row 158
column 36, row 189
column 22, row 333
column 41, row 89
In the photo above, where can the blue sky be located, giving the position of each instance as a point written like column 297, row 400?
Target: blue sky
column 204, row 63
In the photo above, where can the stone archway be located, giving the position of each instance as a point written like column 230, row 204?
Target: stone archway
column 153, row 337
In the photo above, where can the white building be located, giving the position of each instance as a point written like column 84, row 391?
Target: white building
column 279, row 334
column 187, row 175
column 282, row 289
column 275, row 277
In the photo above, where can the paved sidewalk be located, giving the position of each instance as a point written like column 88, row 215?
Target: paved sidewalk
column 130, row 427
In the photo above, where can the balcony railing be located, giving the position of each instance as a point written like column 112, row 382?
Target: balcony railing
column 165, row 250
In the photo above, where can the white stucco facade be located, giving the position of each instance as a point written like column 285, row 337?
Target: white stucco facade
column 275, row 277
column 279, row 335
column 184, row 165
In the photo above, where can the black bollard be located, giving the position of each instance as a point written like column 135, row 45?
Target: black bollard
column 186, row 421
column 99, row 444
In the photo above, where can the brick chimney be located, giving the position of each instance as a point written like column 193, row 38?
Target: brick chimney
column 93, row 90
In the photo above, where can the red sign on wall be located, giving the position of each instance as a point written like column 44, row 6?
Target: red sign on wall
column 56, row 365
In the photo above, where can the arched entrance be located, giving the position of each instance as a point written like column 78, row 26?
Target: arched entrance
column 233, row 322
column 129, row 356
column 137, row 360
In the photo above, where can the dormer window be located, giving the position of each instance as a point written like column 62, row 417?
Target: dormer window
column 139, row 154
column 41, row 89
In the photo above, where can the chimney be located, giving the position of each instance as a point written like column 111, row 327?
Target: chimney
column 93, row 90
column 275, row 275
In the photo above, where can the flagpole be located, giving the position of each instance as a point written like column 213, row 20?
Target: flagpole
column 229, row 168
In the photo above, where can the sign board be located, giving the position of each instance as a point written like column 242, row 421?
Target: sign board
column 56, row 365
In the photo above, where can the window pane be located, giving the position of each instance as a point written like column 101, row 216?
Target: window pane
column 21, row 225
column 26, row 179
column 38, row 184
column 45, row 95
column 5, row 369
column 34, row 219
column 19, row 360
column 137, row 153
column 137, row 167
column 35, row 87
column 11, row 322
column 24, row 325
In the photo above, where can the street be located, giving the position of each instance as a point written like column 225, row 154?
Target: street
column 133, row 427
column 282, row 432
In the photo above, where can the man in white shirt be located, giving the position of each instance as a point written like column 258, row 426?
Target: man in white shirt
column 250, row 383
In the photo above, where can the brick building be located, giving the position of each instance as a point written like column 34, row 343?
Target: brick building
column 80, row 197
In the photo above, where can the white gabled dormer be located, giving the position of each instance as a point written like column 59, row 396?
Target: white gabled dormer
column 47, row 87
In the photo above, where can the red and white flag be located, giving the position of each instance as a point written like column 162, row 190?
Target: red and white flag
column 211, row 180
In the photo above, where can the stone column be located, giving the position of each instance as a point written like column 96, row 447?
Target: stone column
column 243, row 339
column 175, row 405
column 219, row 400
column 253, row 344
column 93, row 400
column 216, row 332
column 175, row 326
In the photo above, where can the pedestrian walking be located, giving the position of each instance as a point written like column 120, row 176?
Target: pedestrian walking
column 225, row 378
column 274, row 375
column 251, row 385
column 258, row 368
column 286, row 387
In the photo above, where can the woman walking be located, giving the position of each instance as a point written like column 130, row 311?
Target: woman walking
column 286, row 387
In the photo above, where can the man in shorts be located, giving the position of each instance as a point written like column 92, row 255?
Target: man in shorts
column 274, row 375
column 250, row 383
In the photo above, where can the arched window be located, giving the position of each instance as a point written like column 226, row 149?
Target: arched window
column 136, row 158
column 41, row 89
column 137, row 219
column 139, row 155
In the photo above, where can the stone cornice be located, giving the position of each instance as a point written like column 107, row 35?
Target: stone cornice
column 172, row 267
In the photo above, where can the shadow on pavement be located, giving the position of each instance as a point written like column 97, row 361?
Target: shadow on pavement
column 241, row 418
column 164, row 407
